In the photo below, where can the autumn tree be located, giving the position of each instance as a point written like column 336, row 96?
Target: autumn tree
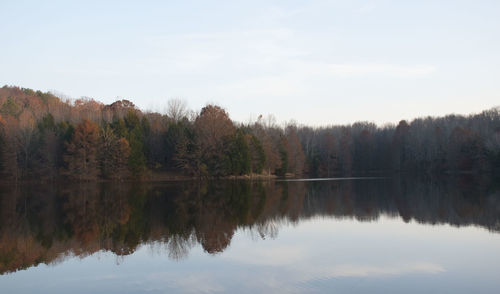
column 283, row 152
column 270, row 138
column 213, row 128
column 87, row 108
column 119, row 109
column 26, row 141
column 82, row 151
column 37, row 135
column 113, row 155
column 296, row 157
column 10, row 156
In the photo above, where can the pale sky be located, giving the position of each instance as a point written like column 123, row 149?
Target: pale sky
column 318, row 62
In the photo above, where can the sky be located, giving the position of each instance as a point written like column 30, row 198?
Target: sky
column 318, row 62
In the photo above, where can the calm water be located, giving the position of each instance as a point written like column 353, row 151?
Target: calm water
column 338, row 236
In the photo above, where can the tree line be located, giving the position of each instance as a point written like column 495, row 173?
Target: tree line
column 44, row 137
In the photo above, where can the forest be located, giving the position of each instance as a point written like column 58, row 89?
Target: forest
column 47, row 138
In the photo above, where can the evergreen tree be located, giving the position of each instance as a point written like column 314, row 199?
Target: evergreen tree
column 239, row 155
column 281, row 171
column 131, row 119
column 11, row 107
column 136, row 139
column 257, row 154
column 119, row 128
column 146, row 140
column 182, row 151
column 48, row 157
column 137, row 160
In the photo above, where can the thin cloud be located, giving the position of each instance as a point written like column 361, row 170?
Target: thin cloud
column 380, row 69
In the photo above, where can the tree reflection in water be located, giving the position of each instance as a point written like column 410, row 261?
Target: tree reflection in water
column 45, row 224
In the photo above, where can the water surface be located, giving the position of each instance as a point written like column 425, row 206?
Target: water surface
column 337, row 236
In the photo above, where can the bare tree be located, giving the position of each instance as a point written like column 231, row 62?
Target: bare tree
column 177, row 109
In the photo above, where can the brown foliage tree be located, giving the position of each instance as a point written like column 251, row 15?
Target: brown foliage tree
column 270, row 140
column 113, row 155
column 87, row 108
column 10, row 148
column 296, row 157
column 212, row 127
column 81, row 157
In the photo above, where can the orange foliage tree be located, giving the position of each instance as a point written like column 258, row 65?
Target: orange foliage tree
column 81, row 156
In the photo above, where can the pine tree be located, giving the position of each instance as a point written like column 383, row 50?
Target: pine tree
column 119, row 128
column 182, row 152
column 137, row 160
column 239, row 155
column 257, row 154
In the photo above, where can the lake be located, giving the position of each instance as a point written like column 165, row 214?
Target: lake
column 358, row 235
